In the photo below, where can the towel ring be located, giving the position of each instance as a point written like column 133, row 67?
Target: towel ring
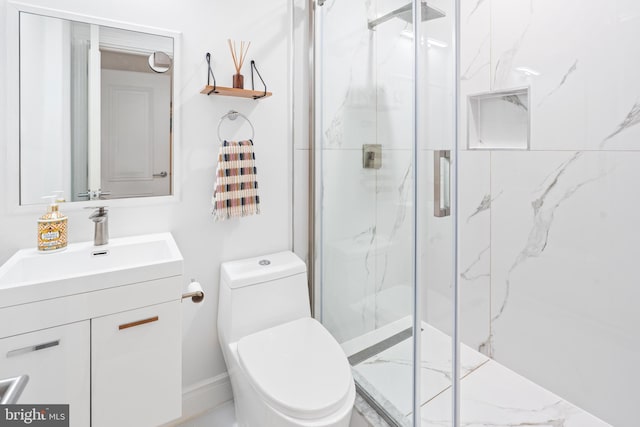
column 232, row 115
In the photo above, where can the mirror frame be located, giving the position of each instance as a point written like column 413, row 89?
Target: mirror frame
column 12, row 175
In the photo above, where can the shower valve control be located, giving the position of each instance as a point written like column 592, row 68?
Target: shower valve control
column 371, row 156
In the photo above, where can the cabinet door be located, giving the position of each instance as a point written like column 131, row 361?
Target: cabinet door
column 57, row 362
column 136, row 367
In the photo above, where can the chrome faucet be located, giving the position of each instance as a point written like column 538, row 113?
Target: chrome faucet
column 101, row 231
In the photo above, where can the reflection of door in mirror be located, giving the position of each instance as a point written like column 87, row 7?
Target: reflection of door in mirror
column 135, row 108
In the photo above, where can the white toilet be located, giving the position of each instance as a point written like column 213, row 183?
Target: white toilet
column 286, row 369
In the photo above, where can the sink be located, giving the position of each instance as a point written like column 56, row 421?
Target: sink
column 11, row 389
column 30, row 275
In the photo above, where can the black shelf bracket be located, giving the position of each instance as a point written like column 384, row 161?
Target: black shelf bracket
column 210, row 75
column 253, row 67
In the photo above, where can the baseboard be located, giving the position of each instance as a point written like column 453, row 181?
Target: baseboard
column 204, row 396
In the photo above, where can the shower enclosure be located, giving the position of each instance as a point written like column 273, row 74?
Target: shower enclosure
column 375, row 229
column 474, row 235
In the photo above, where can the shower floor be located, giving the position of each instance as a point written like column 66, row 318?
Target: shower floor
column 490, row 393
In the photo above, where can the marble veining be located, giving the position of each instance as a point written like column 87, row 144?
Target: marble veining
column 515, row 100
column 559, row 412
column 494, row 396
column 334, row 134
column 470, row 73
column 632, row 119
column 485, row 204
column 468, row 273
column 446, row 373
column 544, row 209
column 542, row 221
column 504, row 65
column 491, row 394
column 358, row 103
column 389, row 373
column 370, row 235
column 366, row 239
column 476, row 7
column 401, row 214
column 564, row 79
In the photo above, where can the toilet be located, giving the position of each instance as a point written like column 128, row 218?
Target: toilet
column 286, row 369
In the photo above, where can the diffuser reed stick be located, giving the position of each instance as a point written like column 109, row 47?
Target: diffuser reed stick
column 238, row 61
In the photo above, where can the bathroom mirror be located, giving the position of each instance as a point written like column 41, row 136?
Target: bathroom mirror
column 96, row 116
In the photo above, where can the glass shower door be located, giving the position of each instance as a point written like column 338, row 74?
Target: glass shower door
column 365, row 229
column 436, row 224
column 384, row 244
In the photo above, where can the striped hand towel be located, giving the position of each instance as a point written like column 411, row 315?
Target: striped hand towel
column 236, row 192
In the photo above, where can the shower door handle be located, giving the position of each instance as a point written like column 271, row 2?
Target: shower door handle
column 441, row 183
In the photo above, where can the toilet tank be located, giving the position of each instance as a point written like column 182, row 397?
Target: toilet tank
column 261, row 292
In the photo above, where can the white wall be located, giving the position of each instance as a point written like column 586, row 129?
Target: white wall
column 205, row 26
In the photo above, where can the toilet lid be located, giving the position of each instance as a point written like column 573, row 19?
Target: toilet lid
column 298, row 367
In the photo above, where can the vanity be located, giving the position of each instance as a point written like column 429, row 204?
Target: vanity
column 98, row 328
column 94, row 327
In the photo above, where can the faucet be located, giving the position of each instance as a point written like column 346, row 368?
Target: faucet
column 11, row 389
column 101, row 231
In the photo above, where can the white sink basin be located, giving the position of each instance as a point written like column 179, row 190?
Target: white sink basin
column 30, row 275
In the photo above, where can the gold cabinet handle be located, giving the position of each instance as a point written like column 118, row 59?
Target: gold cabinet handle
column 138, row 323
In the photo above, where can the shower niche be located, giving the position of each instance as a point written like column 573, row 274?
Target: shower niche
column 499, row 120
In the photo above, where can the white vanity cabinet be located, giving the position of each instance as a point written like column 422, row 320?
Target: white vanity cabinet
column 57, row 361
column 98, row 328
column 135, row 365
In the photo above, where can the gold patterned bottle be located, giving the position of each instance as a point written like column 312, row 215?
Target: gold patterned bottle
column 52, row 229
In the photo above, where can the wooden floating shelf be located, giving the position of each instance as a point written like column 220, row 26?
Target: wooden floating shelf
column 238, row 93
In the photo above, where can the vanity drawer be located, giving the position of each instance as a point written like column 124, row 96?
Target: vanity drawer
column 83, row 306
column 137, row 367
column 58, row 364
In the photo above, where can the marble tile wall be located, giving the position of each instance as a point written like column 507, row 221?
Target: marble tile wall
column 560, row 229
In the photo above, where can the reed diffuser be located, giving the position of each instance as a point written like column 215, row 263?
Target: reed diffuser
column 238, row 60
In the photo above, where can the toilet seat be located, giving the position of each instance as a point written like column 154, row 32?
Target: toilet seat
column 298, row 368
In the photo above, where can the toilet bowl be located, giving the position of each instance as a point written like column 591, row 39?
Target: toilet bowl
column 286, row 369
